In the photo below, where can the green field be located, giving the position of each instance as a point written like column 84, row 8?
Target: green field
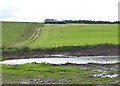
column 33, row 35
column 17, row 32
column 76, row 34
column 53, row 74
column 54, row 35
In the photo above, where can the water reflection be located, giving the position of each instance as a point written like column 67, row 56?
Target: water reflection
column 60, row 59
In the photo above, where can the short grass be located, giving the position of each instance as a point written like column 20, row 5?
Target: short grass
column 76, row 34
column 71, row 74
column 15, row 32
column 54, row 35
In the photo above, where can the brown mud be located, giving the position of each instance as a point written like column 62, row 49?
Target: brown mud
column 103, row 50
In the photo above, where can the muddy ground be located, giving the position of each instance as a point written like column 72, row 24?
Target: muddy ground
column 101, row 69
column 106, row 50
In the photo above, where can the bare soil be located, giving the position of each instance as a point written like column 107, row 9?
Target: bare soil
column 106, row 50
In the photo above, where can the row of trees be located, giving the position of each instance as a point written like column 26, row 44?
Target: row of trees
column 54, row 21
column 91, row 22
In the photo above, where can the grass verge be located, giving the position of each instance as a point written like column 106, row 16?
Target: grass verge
column 54, row 49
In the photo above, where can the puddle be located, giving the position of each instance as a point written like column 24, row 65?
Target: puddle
column 98, row 71
column 104, row 75
column 61, row 59
column 110, row 76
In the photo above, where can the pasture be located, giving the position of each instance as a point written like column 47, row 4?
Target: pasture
column 15, row 32
column 75, row 34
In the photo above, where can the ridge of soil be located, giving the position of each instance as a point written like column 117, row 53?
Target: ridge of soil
column 103, row 50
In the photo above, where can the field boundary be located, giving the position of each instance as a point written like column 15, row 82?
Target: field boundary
column 30, row 39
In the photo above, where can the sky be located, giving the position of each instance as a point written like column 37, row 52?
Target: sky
column 39, row 10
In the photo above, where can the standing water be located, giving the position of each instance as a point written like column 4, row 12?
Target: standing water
column 60, row 59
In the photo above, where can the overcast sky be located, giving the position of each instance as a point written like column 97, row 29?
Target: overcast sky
column 38, row 10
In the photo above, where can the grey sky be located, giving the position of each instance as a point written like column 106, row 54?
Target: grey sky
column 38, row 10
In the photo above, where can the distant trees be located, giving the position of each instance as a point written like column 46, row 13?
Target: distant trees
column 58, row 22
column 116, row 22
column 91, row 22
column 54, row 21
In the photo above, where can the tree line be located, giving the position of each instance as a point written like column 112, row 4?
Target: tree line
column 91, row 22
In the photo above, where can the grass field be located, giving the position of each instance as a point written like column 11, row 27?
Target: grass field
column 76, row 34
column 45, row 73
column 55, row 35
column 51, row 36
column 15, row 32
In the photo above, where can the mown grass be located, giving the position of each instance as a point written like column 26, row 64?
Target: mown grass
column 15, row 32
column 76, row 35
column 72, row 74
column 57, row 35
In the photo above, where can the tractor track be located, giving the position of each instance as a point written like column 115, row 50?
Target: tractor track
column 30, row 39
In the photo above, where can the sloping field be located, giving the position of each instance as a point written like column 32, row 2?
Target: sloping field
column 53, row 35
column 14, row 33
column 76, row 34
